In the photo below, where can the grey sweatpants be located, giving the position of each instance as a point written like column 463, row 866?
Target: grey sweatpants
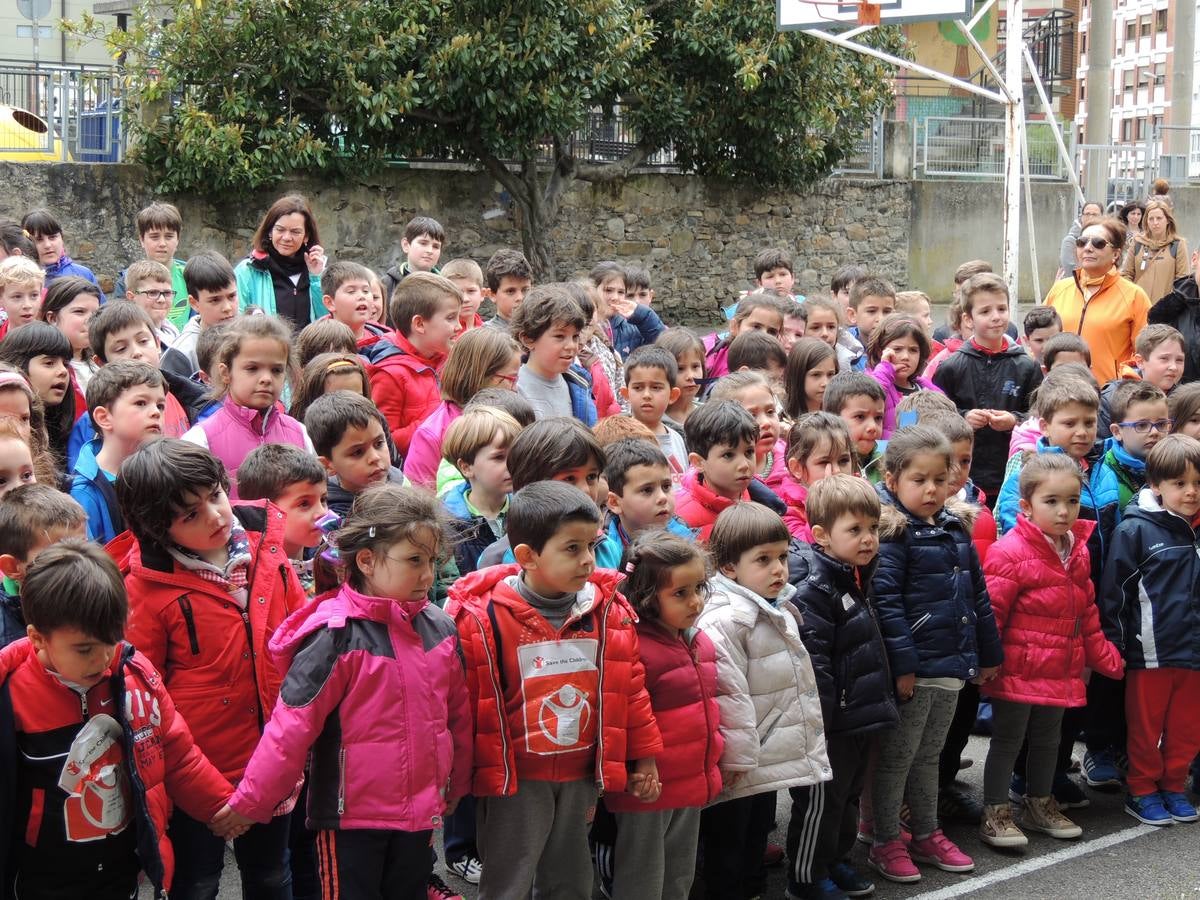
column 1011, row 722
column 536, row 841
column 908, row 757
column 655, row 854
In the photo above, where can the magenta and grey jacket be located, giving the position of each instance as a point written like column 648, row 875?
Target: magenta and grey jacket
column 376, row 687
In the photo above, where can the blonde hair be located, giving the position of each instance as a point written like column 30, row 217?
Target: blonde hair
column 833, row 497
column 145, row 270
column 474, row 430
column 1172, row 227
column 466, row 269
column 20, row 270
column 475, row 357
column 910, row 301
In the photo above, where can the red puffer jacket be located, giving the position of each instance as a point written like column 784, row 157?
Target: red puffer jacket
column 1047, row 616
column 213, row 655
column 699, row 505
column 681, row 677
column 552, row 705
column 404, row 385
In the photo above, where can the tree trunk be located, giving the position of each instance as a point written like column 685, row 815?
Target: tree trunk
column 532, row 220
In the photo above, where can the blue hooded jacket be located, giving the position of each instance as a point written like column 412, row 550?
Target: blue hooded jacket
column 93, row 491
column 643, row 327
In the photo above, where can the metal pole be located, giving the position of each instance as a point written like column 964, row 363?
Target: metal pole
column 1098, row 129
column 1182, row 61
column 1067, row 157
column 1013, row 127
column 987, row 63
column 1033, row 244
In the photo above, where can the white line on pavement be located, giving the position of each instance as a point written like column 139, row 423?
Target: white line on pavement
column 971, row 885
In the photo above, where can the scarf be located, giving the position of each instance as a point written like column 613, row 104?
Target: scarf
column 234, row 577
column 284, row 268
column 1153, row 244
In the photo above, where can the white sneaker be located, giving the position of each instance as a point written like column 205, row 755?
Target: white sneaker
column 469, row 869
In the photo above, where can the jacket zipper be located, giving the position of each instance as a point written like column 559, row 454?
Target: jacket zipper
column 253, row 670
column 920, row 623
column 603, row 625
column 500, row 706
column 341, row 807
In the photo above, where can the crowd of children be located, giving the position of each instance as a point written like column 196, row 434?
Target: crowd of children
column 582, row 591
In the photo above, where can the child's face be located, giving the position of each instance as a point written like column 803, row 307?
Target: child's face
column 691, row 370
column 853, row 538
column 612, row 291
column 1190, row 427
column 586, row 478
column 555, row 350
column 16, row 464
column 864, row 417
column 472, row 296
column 134, row 343
column 793, row 330
column 905, row 355
column 423, row 252
column 16, row 568
column 644, row 296
column 403, row 571
column 827, row 458
column 871, row 311
column 20, row 303
column 1035, row 341
column 215, row 307
column 816, row 380
column 565, row 562
column 762, row 569
column 1181, row 495
column 347, row 380
column 155, row 297
column 923, row 315
column 256, row 374
column 160, row 244
column 842, row 296
column 77, row 657
column 304, row 504
column 780, row 280
column 760, row 403
column 49, row 248
column 72, row 320
column 649, row 394
column 488, row 473
column 49, row 378
column 1068, row 356
column 509, row 295
column 1054, row 506
column 1150, row 415
column 988, row 318
column 204, row 522
column 506, row 377
column 135, row 416
column 682, row 595
column 376, row 309
column 822, row 325
column 962, row 454
column 440, row 329
column 923, row 484
column 648, row 500
column 727, row 469
column 1071, row 428
column 14, row 406
column 761, row 319
column 1164, row 366
column 360, row 458
column 351, row 303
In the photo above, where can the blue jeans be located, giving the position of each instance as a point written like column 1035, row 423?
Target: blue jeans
column 262, row 858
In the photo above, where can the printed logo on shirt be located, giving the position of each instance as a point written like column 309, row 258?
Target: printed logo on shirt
column 94, row 779
column 559, row 683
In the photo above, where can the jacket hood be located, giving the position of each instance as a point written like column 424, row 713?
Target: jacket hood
column 894, row 518
column 963, row 510
column 85, row 464
column 455, row 500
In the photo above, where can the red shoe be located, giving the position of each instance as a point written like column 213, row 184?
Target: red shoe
column 891, row 860
column 940, row 851
column 773, row 855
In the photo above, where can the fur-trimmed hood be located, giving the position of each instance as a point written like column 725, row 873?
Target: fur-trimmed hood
column 893, row 519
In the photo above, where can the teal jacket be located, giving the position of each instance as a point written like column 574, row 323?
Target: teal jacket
column 256, row 288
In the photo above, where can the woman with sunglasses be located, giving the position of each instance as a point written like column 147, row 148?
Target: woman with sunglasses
column 1158, row 255
column 1098, row 303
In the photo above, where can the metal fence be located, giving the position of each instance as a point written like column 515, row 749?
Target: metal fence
column 60, row 112
column 962, row 147
column 867, row 158
column 1123, row 172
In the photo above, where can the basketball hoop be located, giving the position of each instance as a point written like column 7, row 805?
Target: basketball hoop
column 868, row 13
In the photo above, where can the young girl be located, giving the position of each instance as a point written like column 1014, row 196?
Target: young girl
column 596, row 353
column 811, row 364
column 324, row 336
column 43, row 354
column 897, row 353
column 253, row 365
column 1184, row 407
column 326, row 373
column 688, row 350
column 755, row 312
column 937, row 622
column 767, row 694
column 1039, row 581
column 825, row 323
column 378, row 302
column 666, row 581
column 16, row 459
column 69, row 305
column 483, row 357
column 818, row 446
column 373, row 674
column 630, row 324
column 753, row 392
column 19, row 404
column 40, row 226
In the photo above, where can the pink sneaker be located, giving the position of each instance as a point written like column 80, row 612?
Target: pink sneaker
column 891, row 860
column 940, row 851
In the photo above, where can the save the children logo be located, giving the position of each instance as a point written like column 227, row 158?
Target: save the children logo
column 94, row 779
column 559, row 684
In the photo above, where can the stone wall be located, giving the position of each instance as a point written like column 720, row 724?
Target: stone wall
column 697, row 238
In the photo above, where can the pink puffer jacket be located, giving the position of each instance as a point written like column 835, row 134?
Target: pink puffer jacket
column 1047, row 616
column 425, row 452
column 795, row 496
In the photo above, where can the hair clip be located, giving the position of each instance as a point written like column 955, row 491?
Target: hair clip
column 629, row 567
column 339, row 364
column 371, row 532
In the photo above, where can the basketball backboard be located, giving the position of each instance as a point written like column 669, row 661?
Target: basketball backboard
column 795, row 15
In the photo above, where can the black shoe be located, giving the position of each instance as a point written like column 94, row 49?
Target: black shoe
column 1069, row 794
column 852, row 882
column 956, row 805
column 818, row 890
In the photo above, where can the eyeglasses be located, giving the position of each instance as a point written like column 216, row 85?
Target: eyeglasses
column 511, row 379
column 280, row 231
column 1143, row 426
column 155, row 295
column 1097, row 243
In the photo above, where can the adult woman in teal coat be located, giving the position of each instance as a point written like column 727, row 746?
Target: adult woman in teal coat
column 282, row 274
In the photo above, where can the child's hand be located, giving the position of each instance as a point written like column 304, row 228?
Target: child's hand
column 978, row 418
column 643, row 781
column 888, row 355
column 228, row 824
column 905, row 685
column 450, row 808
column 315, row 259
column 986, row 674
column 626, row 307
column 1002, row 421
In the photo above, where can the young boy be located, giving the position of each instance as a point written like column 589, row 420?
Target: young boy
column 125, row 403
column 773, row 271
column 850, row 663
column 206, row 593
column 149, row 286
column 422, row 248
column 638, row 287
column 1065, row 347
column 1040, row 324
column 1140, row 419
column 650, row 375
column 842, row 281
column 20, row 292
column 547, row 325
column 468, row 278
column 722, row 438
column 47, row 235
column 549, row 731
column 404, row 374
column 990, row 379
column 509, row 277
column 32, row 518
column 641, row 493
column 346, row 293
column 1158, row 359
column 760, row 352
column 99, row 750
column 213, row 295
column 872, row 299
column 159, row 226
column 294, row 482
column 858, row 399
column 1149, row 605
column 349, row 435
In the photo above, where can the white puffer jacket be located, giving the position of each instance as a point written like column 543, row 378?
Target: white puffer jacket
column 770, row 709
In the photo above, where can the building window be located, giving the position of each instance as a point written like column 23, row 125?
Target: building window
column 1131, row 31
column 1083, row 43
column 1145, row 22
column 1127, row 129
column 1082, row 91
column 1128, row 80
column 1159, row 71
column 1157, row 124
column 1141, row 129
column 1160, row 21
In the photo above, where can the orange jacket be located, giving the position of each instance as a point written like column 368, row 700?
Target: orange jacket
column 1108, row 323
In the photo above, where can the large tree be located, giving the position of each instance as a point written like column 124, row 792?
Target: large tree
column 236, row 94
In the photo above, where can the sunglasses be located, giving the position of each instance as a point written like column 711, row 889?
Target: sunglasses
column 1097, row 243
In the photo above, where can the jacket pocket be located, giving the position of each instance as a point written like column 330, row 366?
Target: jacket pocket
column 920, row 623
column 768, row 725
